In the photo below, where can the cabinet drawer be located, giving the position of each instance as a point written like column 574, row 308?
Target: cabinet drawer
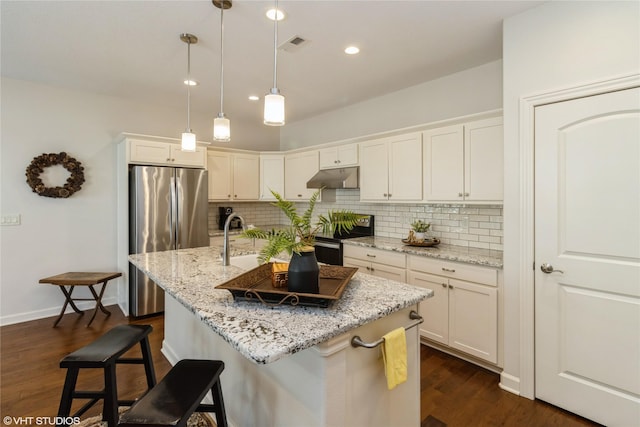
column 378, row 256
column 471, row 273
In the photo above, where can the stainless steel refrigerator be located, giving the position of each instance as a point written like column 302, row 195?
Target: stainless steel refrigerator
column 167, row 210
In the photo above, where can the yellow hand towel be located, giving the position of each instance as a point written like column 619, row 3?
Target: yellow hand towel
column 394, row 353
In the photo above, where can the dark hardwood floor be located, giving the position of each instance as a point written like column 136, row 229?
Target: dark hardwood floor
column 453, row 392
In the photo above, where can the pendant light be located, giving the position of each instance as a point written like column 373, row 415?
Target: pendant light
column 188, row 137
column 273, row 101
column 221, row 124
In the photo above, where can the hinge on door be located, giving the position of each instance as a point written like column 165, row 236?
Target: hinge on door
column 534, row 266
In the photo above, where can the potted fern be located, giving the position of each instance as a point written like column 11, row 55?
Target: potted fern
column 298, row 238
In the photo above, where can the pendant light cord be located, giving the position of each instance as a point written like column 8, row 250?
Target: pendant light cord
column 189, row 85
column 221, row 57
column 275, row 47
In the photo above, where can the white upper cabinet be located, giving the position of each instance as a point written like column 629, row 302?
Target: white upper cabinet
column 233, row 176
column 164, row 154
column 464, row 162
column 391, row 169
column 338, row 157
column 298, row 169
column 483, row 160
column 271, row 175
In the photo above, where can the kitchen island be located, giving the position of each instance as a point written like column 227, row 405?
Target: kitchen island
column 289, row 366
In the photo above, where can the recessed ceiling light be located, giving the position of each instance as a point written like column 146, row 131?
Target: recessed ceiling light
column 271, row 14
column 351, row 50
column 253, row 98
column 191, row 82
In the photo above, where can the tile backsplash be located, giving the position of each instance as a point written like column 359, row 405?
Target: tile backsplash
column 477, row 226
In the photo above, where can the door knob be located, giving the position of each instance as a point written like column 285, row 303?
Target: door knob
column 548, row 269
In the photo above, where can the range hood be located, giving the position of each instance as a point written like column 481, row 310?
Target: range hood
column 335, row 178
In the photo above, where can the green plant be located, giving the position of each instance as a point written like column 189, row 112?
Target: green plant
column 419, row 226
column 301, row 232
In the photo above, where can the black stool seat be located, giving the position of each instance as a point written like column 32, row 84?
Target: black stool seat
column 178, row 395
column 104, row 353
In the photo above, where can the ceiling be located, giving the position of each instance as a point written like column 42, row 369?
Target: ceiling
column 132, row 49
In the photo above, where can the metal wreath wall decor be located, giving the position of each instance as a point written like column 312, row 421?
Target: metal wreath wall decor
column 37, row 166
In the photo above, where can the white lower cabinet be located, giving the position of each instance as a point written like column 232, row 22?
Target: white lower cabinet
column 462, row 314
column 381, row 263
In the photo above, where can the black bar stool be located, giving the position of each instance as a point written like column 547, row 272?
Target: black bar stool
column 104, row 353
column 178, row 395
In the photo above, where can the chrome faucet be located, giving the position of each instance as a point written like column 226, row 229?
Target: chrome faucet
column 226, row 250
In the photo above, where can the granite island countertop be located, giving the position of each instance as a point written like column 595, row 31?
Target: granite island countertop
column 486, row 257
column 261, row 333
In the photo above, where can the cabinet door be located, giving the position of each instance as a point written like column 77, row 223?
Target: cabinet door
column 196, row 159
column 434, row 310
column 473, row 319
column 374, row 167
column 405, row 168
column 219, row 167
column 348, row 155
column 271, row 176
column 298, row 169
column 246, row 176
column 444, row 164
column 483, row 160
column 149, row 152
column 329, row 158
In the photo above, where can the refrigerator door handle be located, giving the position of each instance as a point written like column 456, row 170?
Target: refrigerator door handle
column 175, row 238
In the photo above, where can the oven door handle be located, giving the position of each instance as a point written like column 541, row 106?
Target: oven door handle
column 327, row 245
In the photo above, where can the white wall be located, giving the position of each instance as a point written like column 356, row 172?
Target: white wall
column 468, row 92
column 59, row 235
column 556, row 45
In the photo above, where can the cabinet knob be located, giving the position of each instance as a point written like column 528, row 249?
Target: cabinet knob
column 466, row 194
column 235, row 195
column 299, row 195
column 385, row 195
column 444, row 285
column 168, row 159
column 459, row 194
column 229, row 195
column 389, row 194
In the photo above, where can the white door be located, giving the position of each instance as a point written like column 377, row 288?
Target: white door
column 587, row 229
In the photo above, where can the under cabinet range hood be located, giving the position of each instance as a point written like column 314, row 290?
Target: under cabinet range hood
column 335, row 178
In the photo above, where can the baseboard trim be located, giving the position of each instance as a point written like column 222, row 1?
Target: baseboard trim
column 53, row 311
column 509, row 383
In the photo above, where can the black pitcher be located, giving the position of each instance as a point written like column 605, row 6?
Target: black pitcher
column 304, row 272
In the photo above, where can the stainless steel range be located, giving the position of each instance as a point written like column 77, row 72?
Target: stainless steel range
column 329, row 248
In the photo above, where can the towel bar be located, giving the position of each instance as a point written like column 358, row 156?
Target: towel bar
column 357, row 342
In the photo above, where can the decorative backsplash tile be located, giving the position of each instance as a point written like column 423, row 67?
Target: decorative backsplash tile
column 476, row 226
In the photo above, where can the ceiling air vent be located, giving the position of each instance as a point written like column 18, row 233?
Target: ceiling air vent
column 293, row 44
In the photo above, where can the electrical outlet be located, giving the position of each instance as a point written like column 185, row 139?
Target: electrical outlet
column 10, row 219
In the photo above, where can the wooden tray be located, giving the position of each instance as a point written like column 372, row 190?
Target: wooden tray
column 427, row 243
column 255, row 285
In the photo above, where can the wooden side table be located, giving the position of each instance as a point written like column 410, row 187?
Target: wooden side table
column 74, row 279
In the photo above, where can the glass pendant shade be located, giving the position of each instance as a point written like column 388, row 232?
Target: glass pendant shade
column 188, row 141
column 274, row 109
column 221, row 129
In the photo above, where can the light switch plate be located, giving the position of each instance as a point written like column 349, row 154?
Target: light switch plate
column 10, row 219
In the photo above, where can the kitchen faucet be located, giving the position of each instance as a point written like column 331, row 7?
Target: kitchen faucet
column 226, row 250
